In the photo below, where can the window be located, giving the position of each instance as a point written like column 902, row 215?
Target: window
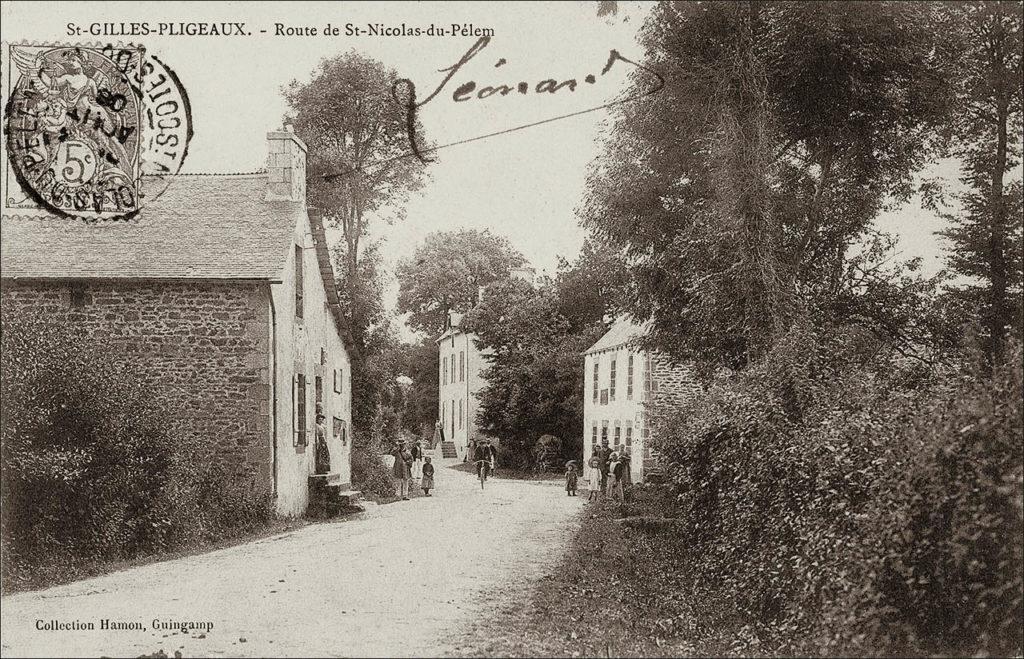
column 611, row 381
column 339, row 375
column 629, row 434
column 318, row 388
column 648, row 380
column 323, row 357
column 462, row 367
column 593, row 436
column 299, row 409
column 629, row 379
column 78, row 297
column 340, row 431
column 453, row 418
column 604, row 396
column 444, row 411
column 604, row 432
column 444, row 371
column 618, row 434
column 596, row 372
column 453, row 368
column 298, row 281
column 460, row 413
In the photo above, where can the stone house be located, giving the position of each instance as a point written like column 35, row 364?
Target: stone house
column 621, row 382
column 221, row 291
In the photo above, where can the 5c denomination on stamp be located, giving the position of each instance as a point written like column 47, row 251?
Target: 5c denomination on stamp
column 73, row 124
column 91, row 131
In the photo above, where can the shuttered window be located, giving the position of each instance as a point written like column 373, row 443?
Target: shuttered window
column 299, row 409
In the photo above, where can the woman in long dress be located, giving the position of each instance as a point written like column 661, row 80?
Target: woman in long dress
column 417, row 459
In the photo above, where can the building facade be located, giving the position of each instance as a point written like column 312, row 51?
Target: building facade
column 459, row 378
column 621, row 382
column 221, row 292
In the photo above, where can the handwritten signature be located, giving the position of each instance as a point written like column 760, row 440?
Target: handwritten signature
column 469, row 90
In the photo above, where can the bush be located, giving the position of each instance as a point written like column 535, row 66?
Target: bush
column 369, row 473
column 93, row 467
column 843, row 506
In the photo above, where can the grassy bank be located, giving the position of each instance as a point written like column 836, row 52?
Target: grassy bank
column 616, row 593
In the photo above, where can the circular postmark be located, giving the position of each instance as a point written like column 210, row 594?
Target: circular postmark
column 93, row 132
column 73, row 123
column 166, row 125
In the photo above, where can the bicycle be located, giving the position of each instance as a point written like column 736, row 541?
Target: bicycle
column 483, row 467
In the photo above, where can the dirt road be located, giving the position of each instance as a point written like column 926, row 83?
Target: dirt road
column 395, row 581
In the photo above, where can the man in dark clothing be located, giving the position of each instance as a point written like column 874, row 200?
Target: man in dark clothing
column 484, row 452
column 603, row 455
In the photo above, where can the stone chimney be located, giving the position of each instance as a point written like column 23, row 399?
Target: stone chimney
column 286, row 166
column 527, row 274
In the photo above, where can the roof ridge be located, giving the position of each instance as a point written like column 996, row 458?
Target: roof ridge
column 253, row 174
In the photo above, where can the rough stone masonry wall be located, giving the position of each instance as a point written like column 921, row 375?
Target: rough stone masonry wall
column 206, row 344
column 675, row 384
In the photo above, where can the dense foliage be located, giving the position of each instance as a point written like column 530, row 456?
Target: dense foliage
column 446, row 272
column 94, row 469
column 534, row 336
column 850, row 482
column 842, row 505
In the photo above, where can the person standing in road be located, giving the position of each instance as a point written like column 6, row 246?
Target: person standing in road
column 603, row 457
column 428, row 477
column 593, row 475
column 571, row 478
column 417, row 459
column 400, row 470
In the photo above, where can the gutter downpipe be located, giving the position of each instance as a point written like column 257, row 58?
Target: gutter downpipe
column 273, row 380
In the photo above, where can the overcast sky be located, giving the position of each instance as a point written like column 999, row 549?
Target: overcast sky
column 524, row 185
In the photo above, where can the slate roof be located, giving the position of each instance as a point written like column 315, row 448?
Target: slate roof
column 622, row 332
column 202, row 227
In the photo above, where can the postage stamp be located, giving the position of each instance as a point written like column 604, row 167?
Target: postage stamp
column 90, row 131
column 72, row 123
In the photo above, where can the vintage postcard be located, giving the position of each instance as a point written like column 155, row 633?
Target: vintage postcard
column 584, row 328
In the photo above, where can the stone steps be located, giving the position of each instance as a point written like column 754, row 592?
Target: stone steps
column 448, row 450
column 328, row 495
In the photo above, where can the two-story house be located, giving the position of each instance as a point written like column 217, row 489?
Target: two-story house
column 621, row 381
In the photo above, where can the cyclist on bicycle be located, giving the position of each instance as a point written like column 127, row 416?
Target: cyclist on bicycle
column 484, row 455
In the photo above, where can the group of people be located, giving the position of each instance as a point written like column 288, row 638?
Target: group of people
column 411, row 464
column 608, row 471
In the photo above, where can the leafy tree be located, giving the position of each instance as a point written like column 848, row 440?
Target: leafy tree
column 986, row 235
column 419, row 361
column 534, row 386
column 735, row 194
column 354, row 131
column 446, row 272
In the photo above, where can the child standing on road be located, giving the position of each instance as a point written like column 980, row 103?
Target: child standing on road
column 428, row 477
column 571, row 478
column 594, row 476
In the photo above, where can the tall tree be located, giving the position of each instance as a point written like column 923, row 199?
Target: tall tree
column 354, row 130
column 736, row 192
column 446, row 273
column 986, row 234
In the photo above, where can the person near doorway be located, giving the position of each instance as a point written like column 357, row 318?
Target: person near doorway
column 400, row 469
column 322, row 455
